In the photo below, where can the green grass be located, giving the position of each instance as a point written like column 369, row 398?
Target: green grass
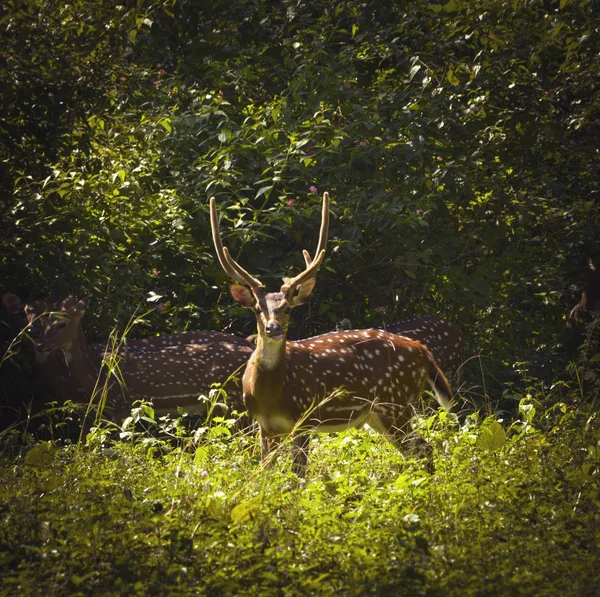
column 507, row 510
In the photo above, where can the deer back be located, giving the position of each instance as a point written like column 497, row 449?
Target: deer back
column 444, row 339
column 173, row 371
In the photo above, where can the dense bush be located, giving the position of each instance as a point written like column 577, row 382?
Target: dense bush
column 509, row 511
column 458, row 142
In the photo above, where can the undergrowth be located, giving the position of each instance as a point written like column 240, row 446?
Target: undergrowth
column 508, row 509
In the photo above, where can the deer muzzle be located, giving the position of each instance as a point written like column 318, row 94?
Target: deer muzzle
column 41, row 347
column 274, row 330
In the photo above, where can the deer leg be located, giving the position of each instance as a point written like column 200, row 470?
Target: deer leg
column 265, row 448
column 397, row 431
column 395, row 427
column 268, row 446
column 300, row 454
column 388, row 427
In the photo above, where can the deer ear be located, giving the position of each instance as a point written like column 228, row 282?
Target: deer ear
column 68, row 303
column 304, row 291
column 74, row 306
column 243, row 296
column 12, row 302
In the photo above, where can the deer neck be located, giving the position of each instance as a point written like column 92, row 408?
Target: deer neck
column 264, row 377
column 269, row 355
column 77, row 357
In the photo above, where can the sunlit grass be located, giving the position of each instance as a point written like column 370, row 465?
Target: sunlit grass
column 506, row 510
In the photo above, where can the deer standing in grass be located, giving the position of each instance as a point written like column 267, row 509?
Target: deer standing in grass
column 330, row 382
column 171, row 371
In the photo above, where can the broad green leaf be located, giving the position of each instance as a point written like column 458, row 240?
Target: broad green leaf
column 450, row 6
column 200, row 455
column 452, row 78
column 492, row 436
column 217, row 507
column 246, row 510
column 41, row 455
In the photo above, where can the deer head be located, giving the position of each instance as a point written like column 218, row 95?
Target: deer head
column 56, row 330
column 590, row 297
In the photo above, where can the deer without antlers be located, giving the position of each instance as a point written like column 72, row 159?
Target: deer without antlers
column 331, row 382
column 171, row 371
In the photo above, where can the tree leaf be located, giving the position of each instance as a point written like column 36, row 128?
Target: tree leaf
column 264, row 190
column 40, row 456
column 413, row 71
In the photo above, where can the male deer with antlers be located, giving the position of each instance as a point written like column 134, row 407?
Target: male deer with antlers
column 331, row 382
column 171, row 371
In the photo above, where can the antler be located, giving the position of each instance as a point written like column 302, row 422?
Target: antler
column 324, row 229
column 238, row 273
column 234, row 269
column 312, row 265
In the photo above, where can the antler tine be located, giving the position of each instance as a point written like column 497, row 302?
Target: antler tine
column 323, row 233
column 309, row 272
column 234, row 269
column 313, row 265
column 324, row 225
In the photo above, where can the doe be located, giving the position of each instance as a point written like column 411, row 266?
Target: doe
column 444, row 338
column 171, row 371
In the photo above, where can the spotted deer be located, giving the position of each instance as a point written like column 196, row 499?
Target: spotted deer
column 330, row 382
column 50, row 367
column 444, row 339
column 170, row 371
column 52, row 370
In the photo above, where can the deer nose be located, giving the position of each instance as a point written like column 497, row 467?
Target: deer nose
column 273, row 329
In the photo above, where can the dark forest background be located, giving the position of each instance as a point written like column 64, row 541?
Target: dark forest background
column 459, row 143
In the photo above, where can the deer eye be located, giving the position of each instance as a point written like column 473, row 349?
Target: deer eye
column 62, row 325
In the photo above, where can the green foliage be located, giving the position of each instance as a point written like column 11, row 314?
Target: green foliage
column 457, row 141
column 508, row 510
column 459, row 144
